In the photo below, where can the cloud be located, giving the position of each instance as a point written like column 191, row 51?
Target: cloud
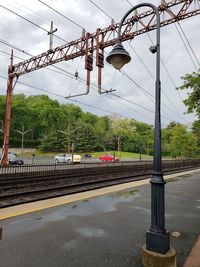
column 32, row 39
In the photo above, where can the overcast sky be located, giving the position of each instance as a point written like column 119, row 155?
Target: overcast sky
column 24, row 35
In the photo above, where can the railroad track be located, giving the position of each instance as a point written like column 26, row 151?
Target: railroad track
column 21, row 188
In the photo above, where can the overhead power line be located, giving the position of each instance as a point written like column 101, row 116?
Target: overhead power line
column 101, row 9
column 140, row 88
column 72, row 21
column 70, row 75
column 72, row 100
column 163, row 91
column 189, row 44
column 94, row 86
column 188, row 52
column 126, row 75
column 33, row 23
column 66, row 73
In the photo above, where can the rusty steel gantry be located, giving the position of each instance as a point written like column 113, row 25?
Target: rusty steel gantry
column 137, row 24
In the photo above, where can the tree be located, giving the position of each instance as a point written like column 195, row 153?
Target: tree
column 196, row 132
column 84, row 139
column 183, row 143
column 192, row 83
column 53, row 141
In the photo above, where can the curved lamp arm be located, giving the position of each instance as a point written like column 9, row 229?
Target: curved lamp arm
column 118, row 57
column 136, row 7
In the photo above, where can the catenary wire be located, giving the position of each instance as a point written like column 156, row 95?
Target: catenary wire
column 143, row 90
column 33, row 23
column 61, row 69
column 94, row 86
column 163, row 91
column 72, row 100
column 72, row 21
column 71, row 75
column 188, row 42
column 188, row 52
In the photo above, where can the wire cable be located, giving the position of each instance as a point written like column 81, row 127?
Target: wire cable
column 100, row 9
column 141, row 88
column 33, row 23
column 75, row 23
column 72, row 100
column 189, row 43
column 188, row 52
column 70, row 75
column 163, row 91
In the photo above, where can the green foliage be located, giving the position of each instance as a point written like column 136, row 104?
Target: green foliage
column 53, row 141
column 182, row 144
column 48, row 119
column 192, row 83
column 84, row 139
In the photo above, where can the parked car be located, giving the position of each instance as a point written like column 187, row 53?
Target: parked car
column 87, row 156
column 14, row 159
column 67, row 158
column 108, row 157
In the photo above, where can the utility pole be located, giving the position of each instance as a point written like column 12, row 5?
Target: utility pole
column 51, row 32
column 68, row 138
column 118, row 146
column 4, row 158
column 22, row 134
column 1, row 130
column 72, row 152
column 68, row 134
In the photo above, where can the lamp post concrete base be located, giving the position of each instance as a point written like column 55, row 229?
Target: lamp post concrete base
column 154, row 259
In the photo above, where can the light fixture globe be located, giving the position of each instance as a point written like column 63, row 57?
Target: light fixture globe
column 118, row 57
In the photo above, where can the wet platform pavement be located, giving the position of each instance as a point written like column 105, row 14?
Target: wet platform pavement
column 106, row 231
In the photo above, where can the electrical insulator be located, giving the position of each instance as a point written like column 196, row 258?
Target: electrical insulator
column 76, row 75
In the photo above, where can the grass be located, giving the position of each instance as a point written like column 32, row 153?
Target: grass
column 122, row 154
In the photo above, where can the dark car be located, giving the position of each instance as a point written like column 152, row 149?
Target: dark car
column 87, row 156
column 14, row 159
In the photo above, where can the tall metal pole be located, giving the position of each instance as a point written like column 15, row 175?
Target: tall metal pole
column 4, row 158
column 68, row 138
column 22, row 134
column 51, row 32
column 157, row 238
column 22, row 140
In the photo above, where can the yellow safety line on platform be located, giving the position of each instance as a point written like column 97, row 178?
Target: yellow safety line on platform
column 53, row 202
column 193, row 259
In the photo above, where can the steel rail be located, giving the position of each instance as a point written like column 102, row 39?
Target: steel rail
column 33, row 192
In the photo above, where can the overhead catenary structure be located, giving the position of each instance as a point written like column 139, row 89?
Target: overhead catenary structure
column 89, row 43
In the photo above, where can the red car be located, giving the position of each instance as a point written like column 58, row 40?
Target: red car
column 108, row 157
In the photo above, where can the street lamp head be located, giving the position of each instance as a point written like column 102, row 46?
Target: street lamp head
column 118, row 57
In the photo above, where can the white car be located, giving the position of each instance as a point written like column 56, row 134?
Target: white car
column 67, row 158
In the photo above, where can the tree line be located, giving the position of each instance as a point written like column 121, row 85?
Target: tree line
column 55, row 127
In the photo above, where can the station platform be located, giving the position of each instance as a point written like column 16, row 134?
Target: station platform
column 100, row 228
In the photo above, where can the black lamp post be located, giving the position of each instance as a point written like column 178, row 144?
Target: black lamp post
column 157, row 238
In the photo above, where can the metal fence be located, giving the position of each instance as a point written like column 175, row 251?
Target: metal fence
column 35, row 169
